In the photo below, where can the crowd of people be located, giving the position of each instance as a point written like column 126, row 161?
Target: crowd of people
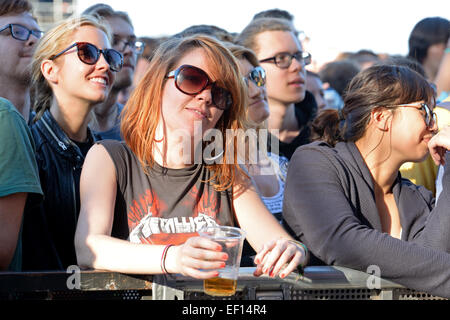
column 116, row 150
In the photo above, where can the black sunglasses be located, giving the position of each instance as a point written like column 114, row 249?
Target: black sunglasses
column 257, row 75
column 192, row 80
column 19, row 32
column 89, row 54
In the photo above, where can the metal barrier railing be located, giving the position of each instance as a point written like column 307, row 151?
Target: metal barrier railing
column 317, row 283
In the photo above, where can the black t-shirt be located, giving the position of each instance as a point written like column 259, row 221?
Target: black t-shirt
column 305, row 112
column 167, row 205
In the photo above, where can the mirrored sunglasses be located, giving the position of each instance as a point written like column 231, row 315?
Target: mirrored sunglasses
column 257, row 75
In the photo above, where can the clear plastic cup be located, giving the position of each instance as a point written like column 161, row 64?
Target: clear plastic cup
column 231, row 239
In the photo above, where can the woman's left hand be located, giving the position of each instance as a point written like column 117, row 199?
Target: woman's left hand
column 279, row 257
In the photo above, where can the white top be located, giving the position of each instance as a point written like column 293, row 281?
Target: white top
column 280, row 164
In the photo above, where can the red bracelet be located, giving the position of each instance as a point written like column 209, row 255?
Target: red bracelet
column 163, row 258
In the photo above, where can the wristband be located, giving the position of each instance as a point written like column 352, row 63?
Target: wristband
column 300, row 244
column 447, row 50
column 163, row 258
column 300, row 269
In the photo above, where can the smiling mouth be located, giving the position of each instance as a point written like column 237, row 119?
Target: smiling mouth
column 99, row 80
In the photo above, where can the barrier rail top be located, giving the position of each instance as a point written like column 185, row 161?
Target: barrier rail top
column 324, row 282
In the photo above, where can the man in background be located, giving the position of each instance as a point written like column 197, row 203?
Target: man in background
column 19, row 178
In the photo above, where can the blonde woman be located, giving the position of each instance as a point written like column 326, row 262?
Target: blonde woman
column 269, row 170
column 142, row 202
column 73, row 69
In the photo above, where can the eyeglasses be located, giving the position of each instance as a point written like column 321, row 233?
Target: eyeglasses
column 192, row 80
column 136, row 46
column 22, row 33
column 284, row 59
column 257, row 75
column 89, row 54
column 430, row 116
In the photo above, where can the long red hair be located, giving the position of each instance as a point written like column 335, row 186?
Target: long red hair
column 142, row 112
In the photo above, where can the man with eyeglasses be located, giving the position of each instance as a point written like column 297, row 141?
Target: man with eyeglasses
column 106, row 124
column 280, row 53
column 20, row 187
column 19, row 35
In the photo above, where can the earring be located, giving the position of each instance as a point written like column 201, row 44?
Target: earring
column 210, row 160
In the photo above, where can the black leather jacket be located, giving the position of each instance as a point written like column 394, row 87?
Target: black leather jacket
column 48, row 238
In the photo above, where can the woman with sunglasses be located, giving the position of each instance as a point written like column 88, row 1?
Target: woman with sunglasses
column 269, row 171
column 143, row 200
column 72, row 70
column 351, row 206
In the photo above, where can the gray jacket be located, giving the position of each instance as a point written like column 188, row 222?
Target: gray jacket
column 329, row 204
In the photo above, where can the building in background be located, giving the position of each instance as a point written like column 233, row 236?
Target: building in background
column 49, row 12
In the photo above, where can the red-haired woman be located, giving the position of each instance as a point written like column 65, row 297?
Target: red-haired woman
column 146, row 198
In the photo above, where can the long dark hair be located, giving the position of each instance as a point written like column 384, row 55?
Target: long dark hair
column 425, row 33
column 377, row 86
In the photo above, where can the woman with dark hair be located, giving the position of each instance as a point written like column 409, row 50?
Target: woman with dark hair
column 346, row 199
column 427, row 43
column 144, row 200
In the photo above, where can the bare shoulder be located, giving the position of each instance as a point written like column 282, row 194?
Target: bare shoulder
column 98, row 160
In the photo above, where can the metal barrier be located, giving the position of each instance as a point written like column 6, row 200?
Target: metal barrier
column 318, row 283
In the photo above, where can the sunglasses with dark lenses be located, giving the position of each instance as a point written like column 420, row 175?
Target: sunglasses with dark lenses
column 192, row 80
column 429, row 116
column 283, row 60
column 257, row 75
column 19, row 32
column 89, row 54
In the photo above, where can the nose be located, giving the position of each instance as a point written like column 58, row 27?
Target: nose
column 205, row 95
column 127, row 50
column 253, row 90
column 296, row 65
column 32, row 40
column 102, row 64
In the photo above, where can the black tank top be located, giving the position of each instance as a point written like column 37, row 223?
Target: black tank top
column 167, row 206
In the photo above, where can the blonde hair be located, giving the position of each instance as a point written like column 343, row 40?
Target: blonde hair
column 244, row 53
column 247, row 37
column 141, row 114
column 53, row 42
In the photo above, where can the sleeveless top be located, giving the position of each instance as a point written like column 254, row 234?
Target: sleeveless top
column 167, row 206
column 275, row 203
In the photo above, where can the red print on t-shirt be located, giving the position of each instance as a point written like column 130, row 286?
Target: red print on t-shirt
column 148, row 225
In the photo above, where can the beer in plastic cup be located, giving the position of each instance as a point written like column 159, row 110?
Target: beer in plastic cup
column 231, row 239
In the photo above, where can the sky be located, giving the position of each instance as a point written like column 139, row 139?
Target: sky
column 332, row 26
